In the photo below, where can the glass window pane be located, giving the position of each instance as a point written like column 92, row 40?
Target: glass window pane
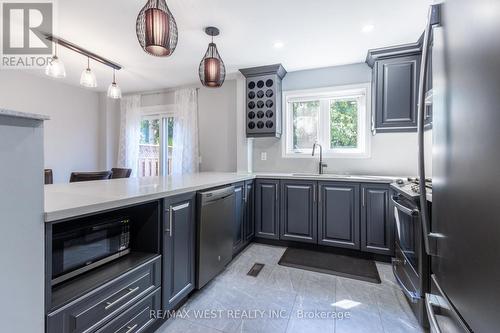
column 344, row 123
column 149, row 148
column 170, row 143
column 305, row 124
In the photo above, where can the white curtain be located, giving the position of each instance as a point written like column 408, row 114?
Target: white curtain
column 130, row 122
column 185, row 154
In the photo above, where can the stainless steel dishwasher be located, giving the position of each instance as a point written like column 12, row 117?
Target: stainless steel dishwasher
column 216, row 214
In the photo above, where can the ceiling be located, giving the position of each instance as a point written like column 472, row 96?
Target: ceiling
column 313, row 34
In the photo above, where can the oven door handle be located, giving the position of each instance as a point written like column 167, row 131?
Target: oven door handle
column 402, row 208
column 412, row 295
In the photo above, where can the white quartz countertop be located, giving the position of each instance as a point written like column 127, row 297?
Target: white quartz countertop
column 69, row 200
column 63, row 201
column 18, row 114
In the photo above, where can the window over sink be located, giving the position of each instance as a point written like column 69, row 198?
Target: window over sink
column 335, row 117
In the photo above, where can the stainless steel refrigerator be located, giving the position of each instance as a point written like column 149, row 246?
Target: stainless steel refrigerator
column 462, row 237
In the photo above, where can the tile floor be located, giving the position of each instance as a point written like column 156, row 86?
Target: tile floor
column 282, row 299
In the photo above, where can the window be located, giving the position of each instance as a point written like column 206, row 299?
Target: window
column 156, row 144
column 335, row 117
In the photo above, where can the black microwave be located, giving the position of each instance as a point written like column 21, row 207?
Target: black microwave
column 80, row 246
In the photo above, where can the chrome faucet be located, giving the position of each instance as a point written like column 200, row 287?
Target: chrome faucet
column 321, row 164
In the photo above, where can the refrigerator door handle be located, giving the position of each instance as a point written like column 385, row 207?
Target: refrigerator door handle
column 433, row 19
column 440, row 304
column 429, row 305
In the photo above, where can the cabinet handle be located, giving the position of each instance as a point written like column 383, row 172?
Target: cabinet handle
column 171, row 210
column 319, row 194
column 171, row 215
column 363, row 197
column 276, row 192
column 111, row 304
column 314, row 193
column 245, row 197
column 130, row 328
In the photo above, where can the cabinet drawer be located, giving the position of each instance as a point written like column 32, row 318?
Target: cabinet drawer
column 137, row 318
column 105, row 302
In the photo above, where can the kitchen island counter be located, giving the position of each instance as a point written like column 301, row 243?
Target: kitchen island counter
column 64, row 201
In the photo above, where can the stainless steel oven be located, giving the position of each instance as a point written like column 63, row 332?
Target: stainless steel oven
column 78, row 246
column 410, row 265
column 407, row 218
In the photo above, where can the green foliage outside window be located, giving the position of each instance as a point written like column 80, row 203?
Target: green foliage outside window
column 344, row 124
column 304, row 137
column 150, row 132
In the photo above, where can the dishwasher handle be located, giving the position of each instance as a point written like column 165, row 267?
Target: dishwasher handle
column 214, row 195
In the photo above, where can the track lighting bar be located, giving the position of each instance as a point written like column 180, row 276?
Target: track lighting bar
column 81, row 50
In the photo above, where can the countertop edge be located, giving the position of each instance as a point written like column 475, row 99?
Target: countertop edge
column 78, row 211
column 69, row 213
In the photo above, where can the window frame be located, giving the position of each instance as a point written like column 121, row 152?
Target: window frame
column 161, row 112
column 325, row 95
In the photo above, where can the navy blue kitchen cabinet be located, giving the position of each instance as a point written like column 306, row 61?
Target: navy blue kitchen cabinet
column 249, row 230
column 178, row 249
column 338, row 214
column 244, row 221
column 298, row 211
column 395, row 79
column 377, row 224
column 239, row 219
column 396, row 82
column 267, row 212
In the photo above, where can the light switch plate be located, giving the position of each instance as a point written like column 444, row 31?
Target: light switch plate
column 263, row 156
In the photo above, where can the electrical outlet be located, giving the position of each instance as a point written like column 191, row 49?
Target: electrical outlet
column 263, row 156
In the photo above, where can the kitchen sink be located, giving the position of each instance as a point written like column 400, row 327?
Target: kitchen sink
column 337, row 176
column 328, row 175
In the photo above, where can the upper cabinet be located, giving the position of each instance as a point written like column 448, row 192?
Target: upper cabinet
column 263, row 100
column 395, row 80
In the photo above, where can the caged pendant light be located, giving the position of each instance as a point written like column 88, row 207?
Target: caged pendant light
column 212, row 70
column 156, row 29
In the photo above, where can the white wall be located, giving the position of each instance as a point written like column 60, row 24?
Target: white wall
column 109, row 131
column 391, row 153
column 216, row 122
column 72, row 136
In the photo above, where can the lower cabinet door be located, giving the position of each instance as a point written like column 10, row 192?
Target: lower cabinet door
column 338, row 214
column 137, row 318
column 178, row 249
column 239, row 218
column 249, row 210
column 298, row 211
column 377, row 222
column 267, row 208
